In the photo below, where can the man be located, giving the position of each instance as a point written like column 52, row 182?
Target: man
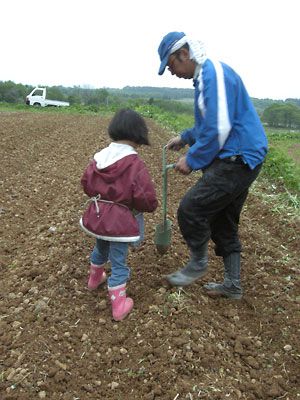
column 228, row 144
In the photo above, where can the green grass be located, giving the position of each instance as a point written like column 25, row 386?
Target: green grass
column 12, row 107
column 74, row 109
column 281, row 167
column 283, row 161
column 175, row 122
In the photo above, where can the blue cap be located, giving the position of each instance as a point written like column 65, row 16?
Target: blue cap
column 165, row 47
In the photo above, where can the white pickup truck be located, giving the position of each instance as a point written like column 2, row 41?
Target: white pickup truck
column 38, row 98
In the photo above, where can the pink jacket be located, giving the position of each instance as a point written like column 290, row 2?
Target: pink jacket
column 123, row 182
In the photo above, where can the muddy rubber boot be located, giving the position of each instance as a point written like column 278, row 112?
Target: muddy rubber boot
column 97, row 276
column 121, row 305
column 231, row 287
column 195, row 268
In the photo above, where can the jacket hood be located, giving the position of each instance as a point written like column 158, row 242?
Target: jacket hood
column 113, row 153
column 112, row 161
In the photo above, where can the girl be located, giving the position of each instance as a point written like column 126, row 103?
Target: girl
column 120, row 186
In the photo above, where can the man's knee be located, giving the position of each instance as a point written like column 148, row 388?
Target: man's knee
column 185, row 209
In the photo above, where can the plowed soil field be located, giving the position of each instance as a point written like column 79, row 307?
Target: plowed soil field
column 58, row 340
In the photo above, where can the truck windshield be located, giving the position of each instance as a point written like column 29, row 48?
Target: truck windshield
column 38, row 93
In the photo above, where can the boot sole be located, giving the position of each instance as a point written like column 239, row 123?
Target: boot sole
column 99, row 284
column 167, row 278
column 216, row 294
column 123, row 316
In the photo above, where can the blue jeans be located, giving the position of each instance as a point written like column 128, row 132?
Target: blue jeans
column 116, row 252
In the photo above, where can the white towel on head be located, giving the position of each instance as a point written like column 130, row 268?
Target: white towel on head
column 197, row 49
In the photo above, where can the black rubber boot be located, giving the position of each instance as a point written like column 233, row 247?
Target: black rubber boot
column 195, row 268
column 231, row 287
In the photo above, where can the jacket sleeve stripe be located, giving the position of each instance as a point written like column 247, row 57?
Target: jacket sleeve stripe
column 224, row 125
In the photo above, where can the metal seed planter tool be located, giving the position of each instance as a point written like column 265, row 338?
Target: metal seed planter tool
column 163, row 230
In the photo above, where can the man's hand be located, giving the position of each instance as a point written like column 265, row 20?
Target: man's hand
column 182, row 166
column 175, row 143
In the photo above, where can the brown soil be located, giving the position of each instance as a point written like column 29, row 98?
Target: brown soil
column 58, row 340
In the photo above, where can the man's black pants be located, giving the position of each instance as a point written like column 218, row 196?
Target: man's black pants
column 211, row 208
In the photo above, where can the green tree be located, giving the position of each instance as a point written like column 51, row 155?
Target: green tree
column 55, row 93
column 74, row 99
column 282, row 115
column 97, row 97
column 11, row 92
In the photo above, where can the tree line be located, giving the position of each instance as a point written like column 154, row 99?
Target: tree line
column 282, row 116
column 274, row 113
column 11, row 92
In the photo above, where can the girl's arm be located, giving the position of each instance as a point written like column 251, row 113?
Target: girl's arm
column 144, row 195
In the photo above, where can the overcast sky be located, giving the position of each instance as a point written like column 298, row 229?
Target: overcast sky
column 113, row 43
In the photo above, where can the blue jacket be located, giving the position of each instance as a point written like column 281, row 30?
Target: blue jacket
column 226, row 122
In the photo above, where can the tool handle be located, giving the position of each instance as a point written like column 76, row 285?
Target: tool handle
column 169, row 166
column 165, row 168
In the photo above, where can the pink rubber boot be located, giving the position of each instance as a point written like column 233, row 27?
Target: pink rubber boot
column 121, row 305
column 97, row 276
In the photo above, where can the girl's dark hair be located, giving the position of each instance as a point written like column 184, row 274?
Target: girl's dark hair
column 128, row 125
